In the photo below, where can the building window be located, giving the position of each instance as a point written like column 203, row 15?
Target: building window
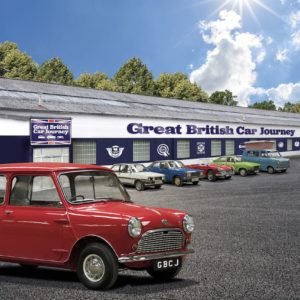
column 289, row 145
column 183, row 149
column 216, row 149
column 60, row 154
column 141, row 151
column 229, row 147
column 2, row 188
column 84, row 152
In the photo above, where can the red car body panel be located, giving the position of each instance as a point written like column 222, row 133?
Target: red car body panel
column 210, row 167
column 48, row 235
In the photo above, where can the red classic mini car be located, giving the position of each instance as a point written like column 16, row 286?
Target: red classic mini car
column 80, row 217
column 212, row 171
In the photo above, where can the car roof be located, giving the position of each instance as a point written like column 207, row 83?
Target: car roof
column 44, row 167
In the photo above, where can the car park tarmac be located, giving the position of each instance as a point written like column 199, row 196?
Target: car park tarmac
column 246, row 241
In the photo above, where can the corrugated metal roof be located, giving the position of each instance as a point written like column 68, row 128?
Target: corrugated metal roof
column 35, row 98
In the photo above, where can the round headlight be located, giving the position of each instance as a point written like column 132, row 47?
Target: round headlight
column 134, row 227
column 188, row 224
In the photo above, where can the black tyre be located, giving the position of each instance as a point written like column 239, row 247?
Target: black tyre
column 211, row 176
column 178, row 181
column 227, row 178
column 139, row 186
column 243, row 172
column 195, row 182
column 165, row 275
column 28, row 267
column 270, row 170
column 158, row 186
column 97, row 267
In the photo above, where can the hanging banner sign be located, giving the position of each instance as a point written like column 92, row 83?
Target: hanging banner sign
column 50, row 131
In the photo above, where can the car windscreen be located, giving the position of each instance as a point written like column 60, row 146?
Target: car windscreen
column 273, row 154
column 138, row 168
column 92, row 186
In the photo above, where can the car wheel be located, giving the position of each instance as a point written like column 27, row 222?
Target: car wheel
column 211, row 176
column 158, row 186
column 227, row 178
column 139, row 186
column 97, row 267
column 270, row 170
column 164, row 275
column 195, row 182
column 243, row 172
column 178, row 181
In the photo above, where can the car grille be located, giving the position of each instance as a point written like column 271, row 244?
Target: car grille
column 195, row 174
column 160, row 240
column 157, row 178
column 256, row 168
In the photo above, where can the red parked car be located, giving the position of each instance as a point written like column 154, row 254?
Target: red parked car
column 81, row 218
column 212, row 172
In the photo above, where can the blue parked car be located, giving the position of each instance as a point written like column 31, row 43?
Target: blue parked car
column 175, row 172
column 269, row 160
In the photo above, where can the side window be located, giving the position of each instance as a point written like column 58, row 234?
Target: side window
column 2, row 188
column 34, row 191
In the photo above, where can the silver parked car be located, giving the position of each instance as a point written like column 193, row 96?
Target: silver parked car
column 135, row 175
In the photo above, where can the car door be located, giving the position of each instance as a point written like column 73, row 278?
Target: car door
column 34, row 220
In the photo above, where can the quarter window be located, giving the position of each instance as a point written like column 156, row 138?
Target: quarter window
column 183, row 149
column 141, row 151
column 84, row 152
column 2, row 188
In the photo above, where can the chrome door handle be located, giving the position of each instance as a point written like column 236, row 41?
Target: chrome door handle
column 8, row 212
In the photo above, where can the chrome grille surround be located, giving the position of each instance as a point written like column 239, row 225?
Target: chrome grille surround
column 159, row 240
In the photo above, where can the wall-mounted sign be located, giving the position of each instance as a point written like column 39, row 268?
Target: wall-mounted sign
column 201, row 148
column 50, row 131
column 163, row 150
column 115, row 151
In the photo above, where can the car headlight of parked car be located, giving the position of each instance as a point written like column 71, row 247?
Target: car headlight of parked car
column 188, row 224
column 188, row 174
column 134, row 227
column 150, row 178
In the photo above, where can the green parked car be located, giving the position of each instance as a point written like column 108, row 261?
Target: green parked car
column 240, row 167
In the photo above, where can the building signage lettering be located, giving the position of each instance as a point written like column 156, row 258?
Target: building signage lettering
column 140, row 128
column 50, row 131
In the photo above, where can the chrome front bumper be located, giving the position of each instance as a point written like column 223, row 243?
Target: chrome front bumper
column 139, row 258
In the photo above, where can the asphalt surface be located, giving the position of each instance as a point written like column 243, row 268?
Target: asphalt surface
column 247, row 244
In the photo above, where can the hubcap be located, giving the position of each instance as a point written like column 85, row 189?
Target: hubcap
column 93, row 267
column 177, row 181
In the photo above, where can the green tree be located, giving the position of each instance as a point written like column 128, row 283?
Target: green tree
column 291, row 107
column 54, row 71
column 178, row 86
column 223, row 97
column 134, row 77
column 267, row 105
column 91, row 80
column 16, row 64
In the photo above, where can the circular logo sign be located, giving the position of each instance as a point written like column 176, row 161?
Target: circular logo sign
column 163, row 150
column 280, row 144
column 297, row 144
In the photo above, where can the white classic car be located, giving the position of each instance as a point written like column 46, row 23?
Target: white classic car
column 134, row 175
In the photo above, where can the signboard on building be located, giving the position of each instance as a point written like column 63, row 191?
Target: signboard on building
column 50, row 131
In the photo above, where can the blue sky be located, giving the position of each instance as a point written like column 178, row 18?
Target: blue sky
column 256, row 55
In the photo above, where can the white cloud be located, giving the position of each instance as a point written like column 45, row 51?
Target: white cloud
column 269, row 40
column 191, row 66
column 282, row 55
column 295, row 19
column 286, row 92
column 231, row 64
column 296, row 39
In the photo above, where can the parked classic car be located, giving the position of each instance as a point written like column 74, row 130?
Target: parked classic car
column 80, row 217
column 136, row 175
column 175, row 172
column 270, row 160
column 213, row 171
column 240, row 167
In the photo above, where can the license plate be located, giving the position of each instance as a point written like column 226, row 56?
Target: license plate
column 167, row 263
column 195, row 179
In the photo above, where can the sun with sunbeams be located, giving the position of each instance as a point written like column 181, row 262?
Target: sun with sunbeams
column 242, row 6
